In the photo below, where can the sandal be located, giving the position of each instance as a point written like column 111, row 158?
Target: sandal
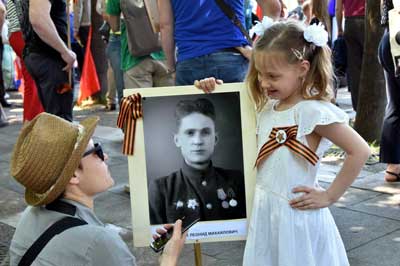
column 393, row 174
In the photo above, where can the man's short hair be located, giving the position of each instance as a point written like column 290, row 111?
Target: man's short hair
column 187, row 107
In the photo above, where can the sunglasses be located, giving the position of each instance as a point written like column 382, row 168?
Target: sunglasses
column 96, row 149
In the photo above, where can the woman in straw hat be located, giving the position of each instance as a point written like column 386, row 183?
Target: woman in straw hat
column 62, row 170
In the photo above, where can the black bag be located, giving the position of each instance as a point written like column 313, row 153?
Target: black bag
column 141, row 38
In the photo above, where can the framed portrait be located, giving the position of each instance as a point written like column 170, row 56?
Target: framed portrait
column 194, row 158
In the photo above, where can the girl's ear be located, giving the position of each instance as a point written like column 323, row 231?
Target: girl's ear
column 74, row 180
column 304, row 68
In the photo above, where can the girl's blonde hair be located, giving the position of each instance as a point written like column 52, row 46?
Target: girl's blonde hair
column 287, row 38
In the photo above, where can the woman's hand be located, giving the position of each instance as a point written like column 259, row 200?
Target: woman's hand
column 208, row 84
column 312, row 198
column 174, row 246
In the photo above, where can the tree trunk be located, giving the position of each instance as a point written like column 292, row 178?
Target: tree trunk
column 372, row 93
column 98, row 48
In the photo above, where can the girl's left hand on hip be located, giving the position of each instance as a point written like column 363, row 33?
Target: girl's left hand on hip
column 312, row 198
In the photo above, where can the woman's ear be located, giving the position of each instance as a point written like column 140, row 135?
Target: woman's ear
column 75, row 178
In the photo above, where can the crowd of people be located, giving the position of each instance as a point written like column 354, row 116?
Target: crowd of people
column 289, row 72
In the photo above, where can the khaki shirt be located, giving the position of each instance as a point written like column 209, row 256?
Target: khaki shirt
column 91, row 244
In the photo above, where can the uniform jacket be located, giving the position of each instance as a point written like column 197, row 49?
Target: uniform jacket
column 211, row 194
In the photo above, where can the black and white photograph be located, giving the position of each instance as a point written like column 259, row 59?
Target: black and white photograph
column 194, row 157
column 193, row 160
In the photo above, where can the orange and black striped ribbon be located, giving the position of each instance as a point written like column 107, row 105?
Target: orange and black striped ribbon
column 130, row 110
column 276, row 140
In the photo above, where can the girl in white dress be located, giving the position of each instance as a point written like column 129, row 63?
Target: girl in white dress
column 290, row 79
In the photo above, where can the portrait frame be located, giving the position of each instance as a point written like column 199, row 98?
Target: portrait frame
column 138, row 179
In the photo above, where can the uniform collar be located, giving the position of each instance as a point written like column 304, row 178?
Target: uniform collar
column 192, row 173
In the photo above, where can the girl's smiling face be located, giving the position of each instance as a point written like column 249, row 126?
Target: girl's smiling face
column 278, row 79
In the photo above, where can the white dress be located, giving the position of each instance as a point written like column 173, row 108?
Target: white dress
column 279, row 235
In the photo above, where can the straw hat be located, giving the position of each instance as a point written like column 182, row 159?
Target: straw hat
column 48, row 151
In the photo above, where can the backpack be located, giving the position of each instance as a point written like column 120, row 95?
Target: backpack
column 142, row 40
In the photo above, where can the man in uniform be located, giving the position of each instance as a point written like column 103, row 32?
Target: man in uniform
column 198, row 189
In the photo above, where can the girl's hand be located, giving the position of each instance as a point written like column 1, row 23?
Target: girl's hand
column 312, row 199
column 208, row 84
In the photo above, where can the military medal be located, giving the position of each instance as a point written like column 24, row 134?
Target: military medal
column 233, row 203
column 225, row 204
column 221, row 194
column 231, row 193
column 192, row 204
column 179, row 204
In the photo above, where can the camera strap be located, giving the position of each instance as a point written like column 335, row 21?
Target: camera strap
column 55, row 229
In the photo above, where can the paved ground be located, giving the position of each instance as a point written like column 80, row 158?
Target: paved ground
column 368, row 215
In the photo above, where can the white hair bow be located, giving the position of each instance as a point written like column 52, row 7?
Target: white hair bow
column 316, row 34
column 260, row 27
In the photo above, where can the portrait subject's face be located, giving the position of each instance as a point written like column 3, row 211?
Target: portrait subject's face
column 196, row 137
